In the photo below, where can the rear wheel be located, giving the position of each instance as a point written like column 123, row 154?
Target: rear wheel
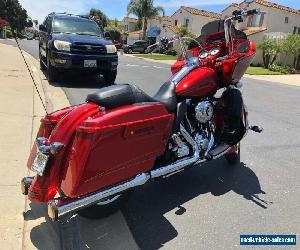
column 233, row 156
column 106, row 207
column 109, row 77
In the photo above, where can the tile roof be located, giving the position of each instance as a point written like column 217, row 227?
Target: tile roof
column 268, row 4
column 201, row 12
column 254, row 30
column 277, row 6
column 130, row 19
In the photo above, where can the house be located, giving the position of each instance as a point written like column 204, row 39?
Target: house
column 129, row 25
column 193, row 18
column 160, row 27
column 166, row 26
column 275, row 21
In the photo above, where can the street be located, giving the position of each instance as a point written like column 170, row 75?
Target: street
column 208, row 207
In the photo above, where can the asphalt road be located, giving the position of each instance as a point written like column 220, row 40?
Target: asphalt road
column 210, row 206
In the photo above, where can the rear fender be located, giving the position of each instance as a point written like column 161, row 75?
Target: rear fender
column 45, row 187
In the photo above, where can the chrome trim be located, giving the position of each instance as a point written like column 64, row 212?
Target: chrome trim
column 59, row 207
column 191, row 64
column 221, row 154
column 178, row 165
column 55, row 147
column 210, row 144
column 40, row 141
column 25, row 184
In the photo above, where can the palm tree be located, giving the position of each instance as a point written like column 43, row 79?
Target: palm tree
column 144, row 10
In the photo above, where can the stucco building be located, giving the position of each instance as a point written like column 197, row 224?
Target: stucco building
column 275, row 21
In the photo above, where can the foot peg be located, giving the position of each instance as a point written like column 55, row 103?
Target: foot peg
column 256, row 129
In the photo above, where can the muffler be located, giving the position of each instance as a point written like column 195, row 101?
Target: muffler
column 59, row 207
column 63, row 206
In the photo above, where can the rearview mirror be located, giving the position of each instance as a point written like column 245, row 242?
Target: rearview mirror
column 42, row 28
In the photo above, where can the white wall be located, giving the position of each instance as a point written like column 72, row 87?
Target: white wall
column 196, row 21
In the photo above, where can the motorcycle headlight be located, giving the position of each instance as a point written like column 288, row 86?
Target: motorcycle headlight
column 111, row 49
column 62, row 45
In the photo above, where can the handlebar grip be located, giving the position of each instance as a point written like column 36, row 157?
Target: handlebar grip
column 252, row 12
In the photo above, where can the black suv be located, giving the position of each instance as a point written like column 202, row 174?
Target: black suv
column 69, row 42
column 138, row 46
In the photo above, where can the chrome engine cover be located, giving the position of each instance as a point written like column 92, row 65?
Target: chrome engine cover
column 204, row 111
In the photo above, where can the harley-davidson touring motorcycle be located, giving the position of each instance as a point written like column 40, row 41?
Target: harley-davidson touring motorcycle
column 87, row 158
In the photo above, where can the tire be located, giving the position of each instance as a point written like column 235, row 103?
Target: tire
column 106, row 207
column 42, row 65
column 130, row 51
column 110, row 77
column 234, row 158
column 52, row 72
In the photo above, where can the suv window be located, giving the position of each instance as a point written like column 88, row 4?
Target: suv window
column 78, row 26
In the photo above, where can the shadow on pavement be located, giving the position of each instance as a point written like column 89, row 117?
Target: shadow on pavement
column 145, row 210
column 78, row 80
column 148, row 204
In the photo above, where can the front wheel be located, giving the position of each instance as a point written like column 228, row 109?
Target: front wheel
column 52, row 71
column 109, row 77
column 106, row 207
column 233, row 157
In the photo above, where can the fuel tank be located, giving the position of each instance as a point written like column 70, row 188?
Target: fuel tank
column 201, row 82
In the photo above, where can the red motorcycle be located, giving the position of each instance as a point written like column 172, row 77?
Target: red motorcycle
column 87, row 158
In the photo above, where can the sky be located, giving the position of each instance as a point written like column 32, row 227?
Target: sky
column 38, row 9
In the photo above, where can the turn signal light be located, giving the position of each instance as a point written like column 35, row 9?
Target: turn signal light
column 56, row 147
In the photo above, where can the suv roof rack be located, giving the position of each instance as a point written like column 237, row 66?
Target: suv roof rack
column 68, row 14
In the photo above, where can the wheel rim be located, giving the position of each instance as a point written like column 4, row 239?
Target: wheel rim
column 108, row 200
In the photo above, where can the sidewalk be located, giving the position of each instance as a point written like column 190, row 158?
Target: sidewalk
column 24, row 225
column 21, row 112
column 283, row 79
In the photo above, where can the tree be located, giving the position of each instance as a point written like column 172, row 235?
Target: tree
column 12, row 11
column 183, row 31
column 144, row 10
column 270, row 49
column 99, row 17
column 291, row 46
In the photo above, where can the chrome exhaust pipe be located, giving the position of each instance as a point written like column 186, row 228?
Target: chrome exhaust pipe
column 181, row 164
column 25, row 184
column 59, row 207
column 62, row 206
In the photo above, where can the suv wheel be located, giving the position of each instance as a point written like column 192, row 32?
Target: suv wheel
column 42, row 65
column 130, row 51
column 52, row 72
column 109, row 77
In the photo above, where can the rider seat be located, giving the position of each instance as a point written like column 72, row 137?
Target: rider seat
column 125, row 94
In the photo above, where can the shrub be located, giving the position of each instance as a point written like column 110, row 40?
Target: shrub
column 281, row 69
column 291, row 46
column 171, row 52
column 271, row 48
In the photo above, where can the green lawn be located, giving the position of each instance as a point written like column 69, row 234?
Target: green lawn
column 156, row 56
column 261, row 71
